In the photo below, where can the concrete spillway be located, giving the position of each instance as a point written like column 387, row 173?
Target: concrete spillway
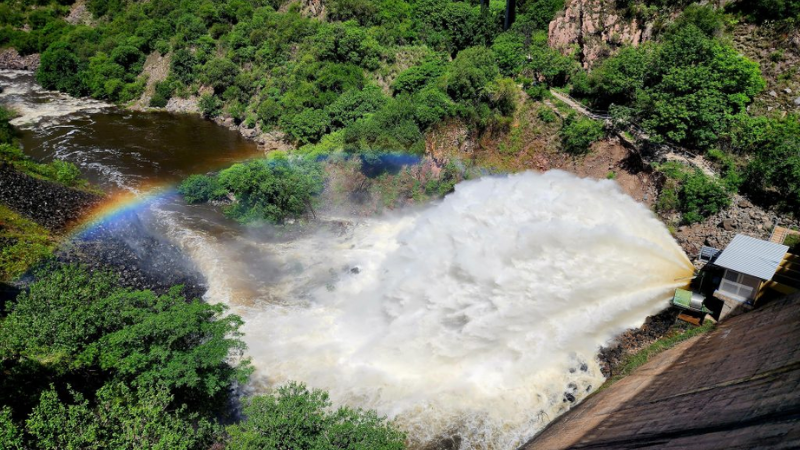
column 736, row 387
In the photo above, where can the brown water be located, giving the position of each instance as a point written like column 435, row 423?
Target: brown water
column 119, row 149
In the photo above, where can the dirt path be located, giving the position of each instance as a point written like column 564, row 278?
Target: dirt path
column 670, row 153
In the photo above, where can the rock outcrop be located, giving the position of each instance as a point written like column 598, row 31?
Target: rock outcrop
column 595, row 29
column 10, row 59
column 156, row 69
column 742, row 217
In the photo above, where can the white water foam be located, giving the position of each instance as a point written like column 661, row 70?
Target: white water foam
column 38, row 107
column 471, row 319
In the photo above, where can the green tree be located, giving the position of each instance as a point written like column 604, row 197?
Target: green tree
column 59, row 69
column 297, row 418
column 307, row 126
column 200, row 189
column 220, row 73
column 470, row 72
column 10, row 433
column 577, row 135
column 64, row 324
column 120, row 418
column 774, row 171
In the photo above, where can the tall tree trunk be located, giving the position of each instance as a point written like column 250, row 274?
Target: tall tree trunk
column 511, row 14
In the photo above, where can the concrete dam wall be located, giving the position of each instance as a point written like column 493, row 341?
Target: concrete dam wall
column 736, row 387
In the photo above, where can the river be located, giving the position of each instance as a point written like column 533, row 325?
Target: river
column 473, row 321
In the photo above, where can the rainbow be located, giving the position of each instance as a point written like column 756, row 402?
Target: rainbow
column 117, row 205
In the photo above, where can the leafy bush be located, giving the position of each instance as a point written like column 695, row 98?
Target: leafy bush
column 702, row 197
column 763, row 10
column 774, row 172
column 210, row 105
column 264, row 190
column 59, row 69
column 298, row 418
column 546, row 115
column 415, row 78
column 220, row 73
column 307, row 126
column 353, row 105
column 687, row 88
column 7, row 132
column 200, row 189
column 577, row 135
column 470, row 72
column 691, row 192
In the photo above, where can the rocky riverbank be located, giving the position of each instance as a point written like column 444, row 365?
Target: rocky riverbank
column 49, row 204
column 140, row 258
column 654, row 328
column 10, row 59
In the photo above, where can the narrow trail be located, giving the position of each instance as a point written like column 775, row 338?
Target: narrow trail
column 668, row 152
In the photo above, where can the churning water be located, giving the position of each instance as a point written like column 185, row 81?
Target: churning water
column 476, row 319
column 473, row 318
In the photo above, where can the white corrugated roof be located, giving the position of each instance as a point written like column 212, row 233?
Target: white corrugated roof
column 752, row 256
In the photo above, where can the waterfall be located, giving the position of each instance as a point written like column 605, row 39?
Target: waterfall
column 477, row 318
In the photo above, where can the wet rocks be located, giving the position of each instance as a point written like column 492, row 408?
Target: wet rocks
column 49, row 204
column 635, row 339
column 139, row 257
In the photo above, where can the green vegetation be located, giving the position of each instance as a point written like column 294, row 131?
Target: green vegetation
column 635, row 360
column 578, row 134
column 59, row 171
column 271, row 190
column 687, row 88
column 763, row 10
column 88, row 364
column 298, row 418
column 691, row 192
column 23, row 243
column 793, row 242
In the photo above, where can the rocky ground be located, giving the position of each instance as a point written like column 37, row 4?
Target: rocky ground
column 140, row 258
column 49, row 204
column 11, row 60
column 742, row 217
column 654, row 328
column 125, row 246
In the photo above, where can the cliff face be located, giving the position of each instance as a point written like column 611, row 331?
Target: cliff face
column 595, row 29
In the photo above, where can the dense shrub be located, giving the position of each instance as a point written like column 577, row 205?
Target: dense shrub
column 307, row 126
column 774, row 171
column 415, row 78
column 200, row 189
column 264, row 190
column 578, row 134
column 762, row 10
column 691, row 192
column 59, row 69
column 687, row 88
column 470, row 71
column 220, row 73
column 298, row 418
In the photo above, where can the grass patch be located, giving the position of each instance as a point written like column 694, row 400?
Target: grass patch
column 23, row 243
column 635, row 360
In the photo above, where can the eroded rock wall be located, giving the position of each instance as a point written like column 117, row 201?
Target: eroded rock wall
column 595, row 29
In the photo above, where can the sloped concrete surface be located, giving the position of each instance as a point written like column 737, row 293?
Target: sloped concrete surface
column 737, row 387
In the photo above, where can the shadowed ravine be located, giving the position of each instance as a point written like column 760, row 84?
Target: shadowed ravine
column 472, row 318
